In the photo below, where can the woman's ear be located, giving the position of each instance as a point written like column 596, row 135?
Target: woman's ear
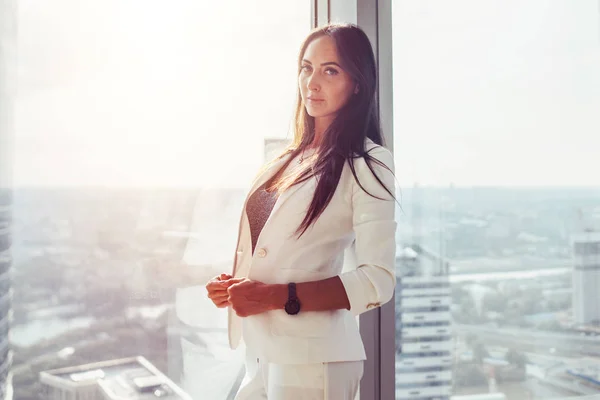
column 356, row 89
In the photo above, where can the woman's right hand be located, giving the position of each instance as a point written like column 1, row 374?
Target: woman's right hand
column 217, row 290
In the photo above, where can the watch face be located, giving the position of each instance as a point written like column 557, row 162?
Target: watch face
column 292, row 307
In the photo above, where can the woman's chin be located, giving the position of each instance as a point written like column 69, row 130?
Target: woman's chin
column 315, row 114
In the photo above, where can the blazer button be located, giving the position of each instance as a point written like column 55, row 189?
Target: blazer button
column 262, row 253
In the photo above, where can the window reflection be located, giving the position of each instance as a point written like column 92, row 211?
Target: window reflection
column 134, row 146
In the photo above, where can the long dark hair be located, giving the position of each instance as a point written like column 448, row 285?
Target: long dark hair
column 344, row 139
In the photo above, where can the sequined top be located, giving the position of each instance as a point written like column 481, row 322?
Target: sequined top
column 261, row 203
column 259, row 207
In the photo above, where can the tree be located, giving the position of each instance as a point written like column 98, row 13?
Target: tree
column 480, row 352
column 516, row 357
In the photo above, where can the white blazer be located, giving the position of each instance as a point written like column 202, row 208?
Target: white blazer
column 279, row 257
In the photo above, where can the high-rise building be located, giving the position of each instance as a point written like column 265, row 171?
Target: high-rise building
column 423, row 326
column 586, row 278
column 126, row 378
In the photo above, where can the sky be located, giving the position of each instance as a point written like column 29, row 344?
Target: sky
column 134, row 93
column 502, row 92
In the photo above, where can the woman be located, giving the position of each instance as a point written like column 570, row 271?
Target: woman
column 332, row 188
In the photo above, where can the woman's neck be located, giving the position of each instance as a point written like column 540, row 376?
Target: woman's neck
column 321, row 125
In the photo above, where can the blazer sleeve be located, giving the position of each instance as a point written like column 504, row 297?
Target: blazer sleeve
column 373, row 282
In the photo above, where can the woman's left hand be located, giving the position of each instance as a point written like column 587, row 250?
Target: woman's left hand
column 248, row 297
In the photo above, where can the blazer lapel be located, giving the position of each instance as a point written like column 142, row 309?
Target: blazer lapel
column 265, row 176
column 281, row 200
column 244, row 216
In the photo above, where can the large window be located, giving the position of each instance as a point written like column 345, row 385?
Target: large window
column 496, row 122
column 139, row 127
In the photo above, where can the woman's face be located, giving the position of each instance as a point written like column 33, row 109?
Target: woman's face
column 324, row 86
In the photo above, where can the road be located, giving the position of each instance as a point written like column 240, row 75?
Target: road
column 572, row 345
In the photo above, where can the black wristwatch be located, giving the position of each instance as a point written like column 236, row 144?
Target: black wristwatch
column 292, row 306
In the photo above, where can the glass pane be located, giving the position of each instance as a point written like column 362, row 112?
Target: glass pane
column 139, row 128
column 8, row 56
column 496, row 118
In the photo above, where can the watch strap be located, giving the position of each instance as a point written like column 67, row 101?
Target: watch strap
column 292, row 291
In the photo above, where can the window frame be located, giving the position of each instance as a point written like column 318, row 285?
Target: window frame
column 377, row 327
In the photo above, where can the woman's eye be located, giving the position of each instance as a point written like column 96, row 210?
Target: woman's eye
column 331, row 71
column 305, row 67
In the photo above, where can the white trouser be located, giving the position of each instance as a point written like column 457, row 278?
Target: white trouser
column 321, row 381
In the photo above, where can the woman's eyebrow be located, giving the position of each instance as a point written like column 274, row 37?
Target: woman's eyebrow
column 323, row 64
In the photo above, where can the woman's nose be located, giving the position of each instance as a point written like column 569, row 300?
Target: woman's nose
column 313, row 83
